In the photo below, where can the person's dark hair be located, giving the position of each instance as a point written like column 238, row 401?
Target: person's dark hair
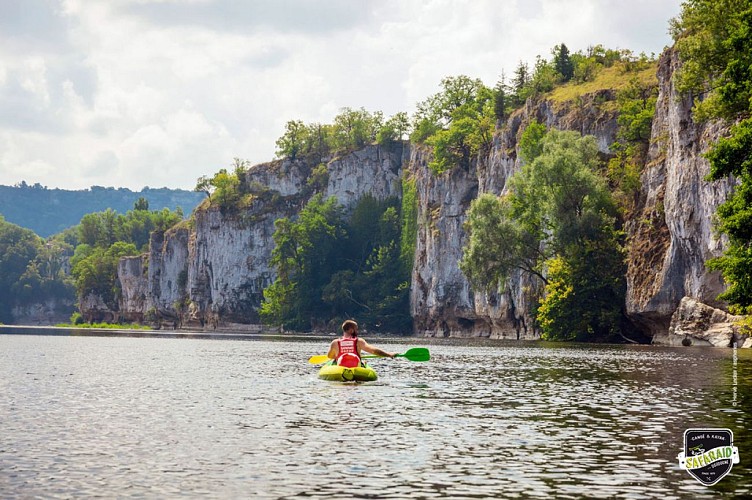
column 349, row 325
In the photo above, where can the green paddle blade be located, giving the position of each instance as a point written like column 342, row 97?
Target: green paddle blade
column 416, row 354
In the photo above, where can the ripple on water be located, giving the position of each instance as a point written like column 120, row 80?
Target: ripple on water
column 135, row 417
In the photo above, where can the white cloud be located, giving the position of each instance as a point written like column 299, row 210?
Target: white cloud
column 159, row 92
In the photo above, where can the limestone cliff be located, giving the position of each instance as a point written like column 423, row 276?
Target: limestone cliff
column 441, row 300
column 214, row 271
column 672, row 233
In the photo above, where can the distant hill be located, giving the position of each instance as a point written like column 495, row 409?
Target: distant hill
column 49, row 211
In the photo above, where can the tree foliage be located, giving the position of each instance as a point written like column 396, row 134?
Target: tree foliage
column 557, row 223
column 105, row 237
column 562, row 62
column 714, row 41
column 457, row 122
column 636, row 104
column 352, row 129
column 31, row 269
column 331, row 266
column 408, row 224
column 225, row 188
column 501, row 93
column 50, row 211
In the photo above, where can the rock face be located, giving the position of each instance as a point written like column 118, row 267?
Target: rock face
column 373, row 170
column 695, row 323
column 167, row 278
column 48, row 312
column 672, row 235
column 213, row 273
column 134, row 288
column 440, row 298
column 95, row 310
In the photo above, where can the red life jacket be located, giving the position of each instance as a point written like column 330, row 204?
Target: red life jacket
column 348, row 352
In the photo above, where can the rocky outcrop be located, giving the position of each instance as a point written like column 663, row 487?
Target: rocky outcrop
column 671, row 235
column 695, row 323
column 134, row 288
column 213, row 272
column 45, row 313
column 167, row 278
column 441, row 301
column 373, row 170
column 228, row 264
column 94, row 310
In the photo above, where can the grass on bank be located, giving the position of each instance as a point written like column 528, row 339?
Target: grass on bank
column 104, row 326
column 616, row 77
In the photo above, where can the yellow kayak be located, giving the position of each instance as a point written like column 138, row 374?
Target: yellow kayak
column 332, row 371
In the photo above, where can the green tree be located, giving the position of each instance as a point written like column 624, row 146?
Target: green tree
column 501, row 99
column 563, row 62
column 584, row 68
column 224, row 187
column 103, row 229
column 558, row 207
column 520, row 84
column 544, row 77
column 104, row 238
column 457, row 122
column 319, row 143
column 501, row 243
column 394, row 129
column 531, row 142
column 95, row 270
column 293, row 141
column 141, row 204
column 714, row 41
column 636, row 109
column 408, row 224
column 307, row 252
column 18, row 248
column 330, row 267
column 636, row 105
column 389, row 303
column 355, row 128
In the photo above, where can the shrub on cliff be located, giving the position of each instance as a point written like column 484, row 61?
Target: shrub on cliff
column 352, row 129
column 457, row 122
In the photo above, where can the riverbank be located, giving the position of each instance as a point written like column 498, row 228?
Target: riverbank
column 127, row 332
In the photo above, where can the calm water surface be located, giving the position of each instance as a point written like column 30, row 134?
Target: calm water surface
column 84, row 416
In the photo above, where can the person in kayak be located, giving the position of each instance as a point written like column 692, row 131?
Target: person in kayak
column 347, row 349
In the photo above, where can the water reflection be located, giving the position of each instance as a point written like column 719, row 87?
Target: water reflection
column 209, row 418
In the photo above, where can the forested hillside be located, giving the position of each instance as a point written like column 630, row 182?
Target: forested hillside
column 49, row 211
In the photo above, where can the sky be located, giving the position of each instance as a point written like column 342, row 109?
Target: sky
column 157, row 93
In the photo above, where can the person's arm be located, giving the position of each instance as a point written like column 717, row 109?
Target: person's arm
column 365, row 346
column 333, row 350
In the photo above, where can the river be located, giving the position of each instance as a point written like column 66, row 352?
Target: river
column 202, row 416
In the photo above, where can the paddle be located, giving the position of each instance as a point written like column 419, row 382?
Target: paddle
column 414, row 354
